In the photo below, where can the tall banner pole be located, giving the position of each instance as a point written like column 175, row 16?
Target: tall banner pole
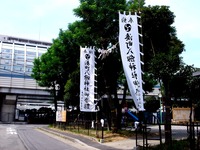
column 130, row 54
column 88, row 101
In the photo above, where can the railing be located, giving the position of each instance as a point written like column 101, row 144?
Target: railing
column 150, row 135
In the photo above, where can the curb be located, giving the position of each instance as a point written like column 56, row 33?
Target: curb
column 66, row 137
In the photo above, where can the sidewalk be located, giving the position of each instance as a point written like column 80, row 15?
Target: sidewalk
column 127, row 144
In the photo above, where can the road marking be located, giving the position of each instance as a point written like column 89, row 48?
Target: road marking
column 11, row 131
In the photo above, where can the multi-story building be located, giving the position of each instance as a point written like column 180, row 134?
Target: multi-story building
column 17, row 54
column 16, row 63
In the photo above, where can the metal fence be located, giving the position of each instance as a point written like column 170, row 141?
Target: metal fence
column 183, row 136
column 147, row 136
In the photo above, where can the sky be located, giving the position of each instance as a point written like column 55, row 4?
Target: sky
column 42, row 20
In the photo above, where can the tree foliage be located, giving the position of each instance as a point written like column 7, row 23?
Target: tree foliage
column 152, row 104
column 162, row 49
column 182, row 82
column 98, row 26
column 100, row 21
column 135, row 5
column 56, row 65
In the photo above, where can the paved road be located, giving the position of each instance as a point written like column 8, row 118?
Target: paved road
column 178, row 131
column 9, row 139
column 28, row 137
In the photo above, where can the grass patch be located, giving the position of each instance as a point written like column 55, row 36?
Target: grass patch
column 108, row 136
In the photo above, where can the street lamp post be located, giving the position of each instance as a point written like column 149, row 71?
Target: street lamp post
column 160, row 99
column 56, row 88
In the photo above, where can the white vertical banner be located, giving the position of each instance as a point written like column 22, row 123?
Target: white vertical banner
column 87, row 80
column 130, row 54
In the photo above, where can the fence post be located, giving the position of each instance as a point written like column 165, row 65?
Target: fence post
column 136, row 136
column 88, row 127
column 146, row 136
column 160, row 133
column 191, row 135
column 197, row 135
column 143, row 135
column 78, row 122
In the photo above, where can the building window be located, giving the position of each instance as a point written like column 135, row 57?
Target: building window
column 5, row 67
column 29, row 63
column 18, row 57
column 6, row 62
column 6, row 56
column 30, row 58
column 19, row 52
column 6, row 50
column 18, row 62
column 29, row 53
column 29, row 69
column 18, row 68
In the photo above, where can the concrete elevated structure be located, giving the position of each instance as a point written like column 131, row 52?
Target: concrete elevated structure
column 16, row 84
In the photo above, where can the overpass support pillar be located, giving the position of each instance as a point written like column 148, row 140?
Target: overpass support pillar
column 8, row 105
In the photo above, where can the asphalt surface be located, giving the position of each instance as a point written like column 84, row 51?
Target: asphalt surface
column 9, row 139
column 29, row 137
column 179, row 132
column 77, row 140
column 127, row 144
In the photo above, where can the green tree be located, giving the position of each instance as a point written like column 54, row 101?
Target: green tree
column 98, row 27
column 151, row 104
column 72, row 89
column 45, row 71
column 194, row 94
column 162, row 49
column 99, row 21
column 182, row 82
column 56, row 65
column 135, row 5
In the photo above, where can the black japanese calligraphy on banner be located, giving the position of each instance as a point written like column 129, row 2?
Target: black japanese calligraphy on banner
column 130, row 54
column 87, row 86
